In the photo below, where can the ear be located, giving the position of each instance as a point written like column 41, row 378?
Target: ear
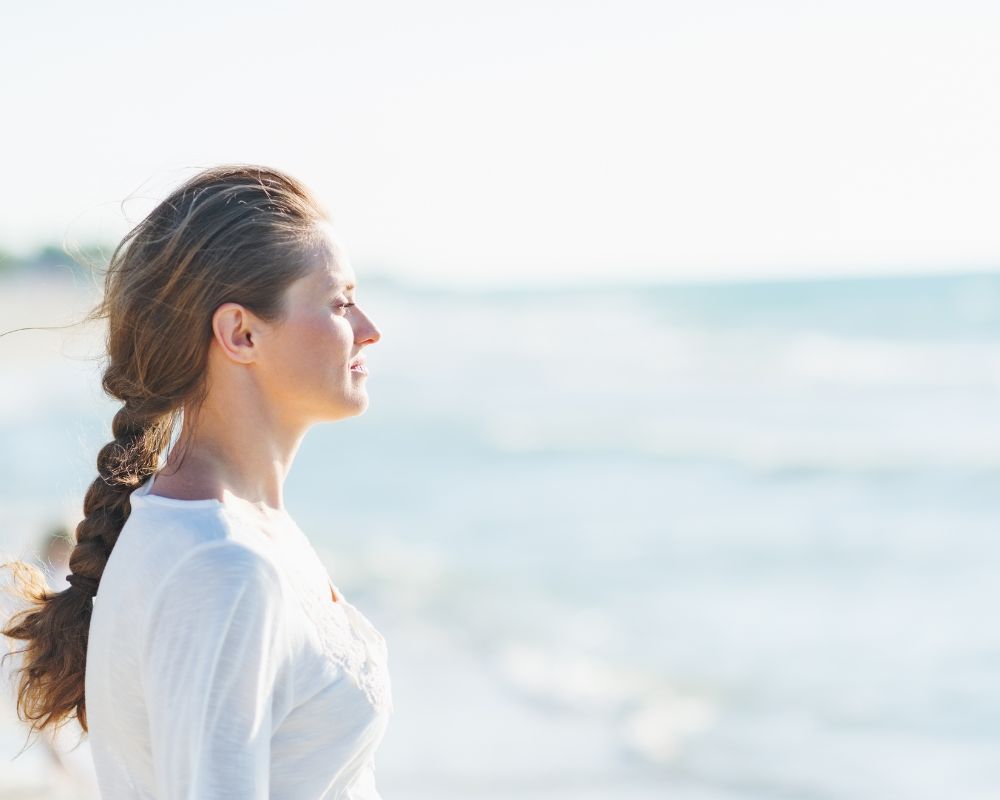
column 235, row 331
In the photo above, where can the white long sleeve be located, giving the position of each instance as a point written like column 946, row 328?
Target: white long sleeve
column 211, row 657
column 219, row 665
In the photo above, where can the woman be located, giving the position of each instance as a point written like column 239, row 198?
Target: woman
column 217, row 658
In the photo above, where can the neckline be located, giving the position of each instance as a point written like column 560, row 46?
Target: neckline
column 144, row 495
column 144, row 491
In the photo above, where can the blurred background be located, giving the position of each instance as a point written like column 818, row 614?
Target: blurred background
column 679, row 474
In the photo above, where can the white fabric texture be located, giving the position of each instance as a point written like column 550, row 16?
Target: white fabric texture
column 220, row 666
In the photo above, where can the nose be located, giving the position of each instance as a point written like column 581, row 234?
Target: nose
column 365, row 331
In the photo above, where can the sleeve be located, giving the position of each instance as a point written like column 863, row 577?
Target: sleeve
column 211, row 656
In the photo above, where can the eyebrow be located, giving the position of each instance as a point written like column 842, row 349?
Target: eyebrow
column 337, row 285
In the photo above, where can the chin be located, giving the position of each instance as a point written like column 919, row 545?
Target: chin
column 348, row 410
column 363, row 407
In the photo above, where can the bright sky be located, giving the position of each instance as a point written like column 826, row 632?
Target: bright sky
column 535, row 141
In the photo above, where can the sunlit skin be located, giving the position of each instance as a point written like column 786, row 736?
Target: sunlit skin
column 268, row 384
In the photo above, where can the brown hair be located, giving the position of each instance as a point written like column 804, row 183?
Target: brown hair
column 234, row 233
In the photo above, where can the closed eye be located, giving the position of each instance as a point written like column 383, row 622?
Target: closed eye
column 344, row 305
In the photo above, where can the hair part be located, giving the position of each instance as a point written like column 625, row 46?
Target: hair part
column 238, row 233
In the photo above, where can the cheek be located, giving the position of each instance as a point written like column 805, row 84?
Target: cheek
column 324, row 344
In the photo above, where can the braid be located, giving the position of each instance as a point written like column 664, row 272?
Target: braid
column 52, row 690
column 122, row 465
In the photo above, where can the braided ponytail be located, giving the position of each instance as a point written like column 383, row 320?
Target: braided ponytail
column 122, row 465
column 57, row 624
column 235, row 233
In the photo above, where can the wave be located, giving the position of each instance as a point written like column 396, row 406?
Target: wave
column 654, row 719
column 756, row 447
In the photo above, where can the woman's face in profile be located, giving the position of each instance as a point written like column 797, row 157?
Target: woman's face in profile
column 324, row 331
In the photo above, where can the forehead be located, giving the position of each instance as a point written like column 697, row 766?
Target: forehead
column 333, row 271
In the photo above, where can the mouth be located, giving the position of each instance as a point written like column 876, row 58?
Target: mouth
column 358, row 365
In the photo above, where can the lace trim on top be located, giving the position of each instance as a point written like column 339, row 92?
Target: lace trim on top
column 347, row 637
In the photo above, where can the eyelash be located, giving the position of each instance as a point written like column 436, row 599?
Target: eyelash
column 345, row 305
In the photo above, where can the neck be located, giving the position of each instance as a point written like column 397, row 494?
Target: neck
column 232, row 451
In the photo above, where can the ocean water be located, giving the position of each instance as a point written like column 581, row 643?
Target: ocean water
column 688, row 541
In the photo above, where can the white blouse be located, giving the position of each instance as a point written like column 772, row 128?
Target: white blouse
column 219, row 664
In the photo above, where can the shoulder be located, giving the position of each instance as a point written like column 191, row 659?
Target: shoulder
column 222, row 567
column 217, row 591
column 185, row 528
column 219, row 620
column 157, row 540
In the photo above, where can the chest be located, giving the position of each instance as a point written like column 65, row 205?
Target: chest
column 344, row 638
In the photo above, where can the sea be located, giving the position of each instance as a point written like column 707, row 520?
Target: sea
column 700, row 541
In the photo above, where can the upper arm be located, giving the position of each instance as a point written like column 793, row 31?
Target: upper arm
column 212, row 649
